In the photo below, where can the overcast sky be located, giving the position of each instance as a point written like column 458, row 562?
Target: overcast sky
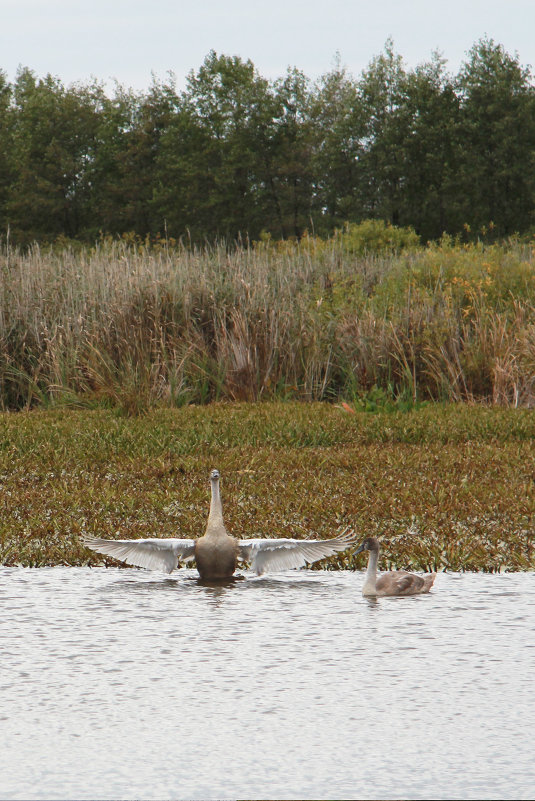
column 128, row 40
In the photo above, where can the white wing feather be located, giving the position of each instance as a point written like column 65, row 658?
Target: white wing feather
column 274, row 555
column 153, row 554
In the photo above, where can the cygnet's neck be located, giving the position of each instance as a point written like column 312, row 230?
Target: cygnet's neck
column 215, row 523
column 371, row 574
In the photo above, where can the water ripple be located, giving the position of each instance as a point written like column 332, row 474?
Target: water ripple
column 119, row 683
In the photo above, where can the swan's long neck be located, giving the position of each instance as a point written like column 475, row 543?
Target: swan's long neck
column 371, row 574
column 215, row 518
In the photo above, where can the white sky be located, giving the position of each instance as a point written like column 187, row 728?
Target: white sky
column 128, row 40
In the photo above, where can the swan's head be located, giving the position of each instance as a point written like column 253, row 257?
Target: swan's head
column 214, row 475
column 369, row 544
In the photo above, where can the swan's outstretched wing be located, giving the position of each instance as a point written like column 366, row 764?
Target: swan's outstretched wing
column 272, row 555
column 154, row 554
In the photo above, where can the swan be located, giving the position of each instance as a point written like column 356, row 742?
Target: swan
column 216, row 553
column 395, row 582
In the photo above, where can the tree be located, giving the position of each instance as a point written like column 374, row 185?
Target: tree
column 291, row 168
column 234, row 155
column 498, row 132
column 212, row 169
column 338, row 127
column 431, row 188
column 123, row 171
column 382, row 166
column 6, row 145
column 53, row 131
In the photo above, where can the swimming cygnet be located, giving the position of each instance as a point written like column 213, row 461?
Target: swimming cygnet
column 395, row 582
column 217, row 553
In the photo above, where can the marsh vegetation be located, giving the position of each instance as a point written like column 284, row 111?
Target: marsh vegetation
column 367, row 316
column 444, row 487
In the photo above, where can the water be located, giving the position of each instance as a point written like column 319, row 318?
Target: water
column 124, row 683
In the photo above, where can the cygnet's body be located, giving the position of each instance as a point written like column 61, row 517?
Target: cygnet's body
column 395, row 582
column 217, row 553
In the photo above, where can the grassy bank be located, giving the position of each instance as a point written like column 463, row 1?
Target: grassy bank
column 362, row 316
column 445, row 487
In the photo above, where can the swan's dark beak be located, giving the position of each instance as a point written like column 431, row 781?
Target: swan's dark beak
column 360, row 549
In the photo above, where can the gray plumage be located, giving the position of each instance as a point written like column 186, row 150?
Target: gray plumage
column 395, row 582
column 217, row 553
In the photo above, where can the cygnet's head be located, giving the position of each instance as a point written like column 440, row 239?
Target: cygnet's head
column 214, row 475
column 369, row 544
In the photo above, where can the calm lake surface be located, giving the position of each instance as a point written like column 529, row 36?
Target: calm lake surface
column 129, row 684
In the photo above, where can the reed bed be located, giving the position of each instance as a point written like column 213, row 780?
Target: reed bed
column 134, row 326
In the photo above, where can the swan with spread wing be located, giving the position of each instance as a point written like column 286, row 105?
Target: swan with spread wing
column 217, row 554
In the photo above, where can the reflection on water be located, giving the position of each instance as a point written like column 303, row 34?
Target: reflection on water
column 122, row 683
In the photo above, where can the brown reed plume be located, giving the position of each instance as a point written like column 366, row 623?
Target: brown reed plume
column 129, row 326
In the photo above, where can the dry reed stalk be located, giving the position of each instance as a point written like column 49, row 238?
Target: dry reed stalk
column 176, row 325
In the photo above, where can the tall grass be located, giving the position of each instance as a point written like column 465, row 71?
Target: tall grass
column 133, row 326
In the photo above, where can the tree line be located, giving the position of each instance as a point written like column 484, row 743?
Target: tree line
column 235, row 155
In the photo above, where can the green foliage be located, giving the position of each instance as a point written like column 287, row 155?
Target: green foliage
column 376, row 237
column 214, row 152
column 234, row 155
column 432, row 196
column 338, row 126
column 52, row 137
column 498, row 132
column 445, row 487
column 383, row 95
